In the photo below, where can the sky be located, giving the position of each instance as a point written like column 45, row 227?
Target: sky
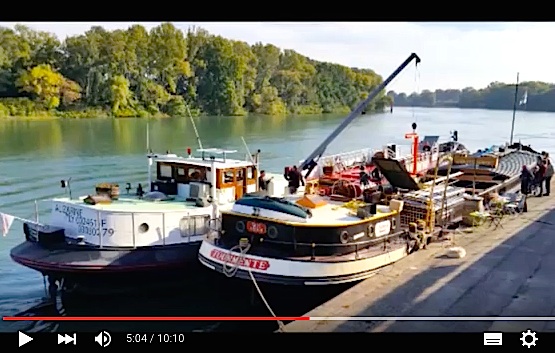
column 454, row 54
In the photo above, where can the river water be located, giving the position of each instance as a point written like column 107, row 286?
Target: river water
column 36, row 155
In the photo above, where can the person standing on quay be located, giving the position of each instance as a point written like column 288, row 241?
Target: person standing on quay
column 548, row 174
column 526, row 178
column 539, row 174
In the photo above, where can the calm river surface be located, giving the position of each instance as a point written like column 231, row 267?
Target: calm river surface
column 35, row 155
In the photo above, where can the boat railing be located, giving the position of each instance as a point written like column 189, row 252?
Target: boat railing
column 348, row 158
column 422, row 156
column 359, row 245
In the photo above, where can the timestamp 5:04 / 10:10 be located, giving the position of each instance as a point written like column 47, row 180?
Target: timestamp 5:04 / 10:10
column 155, row 338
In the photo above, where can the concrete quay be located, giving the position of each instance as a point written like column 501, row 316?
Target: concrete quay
column 508, row 271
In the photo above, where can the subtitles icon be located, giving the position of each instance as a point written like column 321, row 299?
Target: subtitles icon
column 493, row 338
column 103, row 339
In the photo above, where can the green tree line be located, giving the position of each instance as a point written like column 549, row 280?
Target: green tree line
column 166, row 72
column 497, row 95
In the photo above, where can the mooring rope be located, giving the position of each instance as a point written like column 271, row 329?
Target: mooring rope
column 231, row 269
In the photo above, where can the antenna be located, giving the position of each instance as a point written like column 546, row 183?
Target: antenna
column 247, row 148
column 194, row 126
column 255, row 163
column 514, row 107
column 147, row 137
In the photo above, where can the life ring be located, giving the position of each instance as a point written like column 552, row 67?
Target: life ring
column 344, row 237
column 240, row 227
column 272, row 232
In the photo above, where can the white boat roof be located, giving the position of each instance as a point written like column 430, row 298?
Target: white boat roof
column 219, row 160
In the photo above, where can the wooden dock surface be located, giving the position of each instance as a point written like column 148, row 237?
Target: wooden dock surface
column 508, row 271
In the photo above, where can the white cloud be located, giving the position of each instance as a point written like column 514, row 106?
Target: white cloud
column 454, row 55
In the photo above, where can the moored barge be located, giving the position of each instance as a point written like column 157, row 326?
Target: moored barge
column 313, row 237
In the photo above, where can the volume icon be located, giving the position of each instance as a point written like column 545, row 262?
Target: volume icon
column 103, row 339
column 66, row 339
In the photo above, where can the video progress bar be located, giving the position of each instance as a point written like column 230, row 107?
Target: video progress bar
column 283, row 318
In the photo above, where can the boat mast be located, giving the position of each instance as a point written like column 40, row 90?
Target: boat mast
column 514, row 109
column 149, row 155
column 194, row 127
column 309, row 163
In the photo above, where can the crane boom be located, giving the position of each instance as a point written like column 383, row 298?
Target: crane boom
column 309, row 163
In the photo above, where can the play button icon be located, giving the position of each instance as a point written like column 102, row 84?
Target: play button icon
column 24, row 339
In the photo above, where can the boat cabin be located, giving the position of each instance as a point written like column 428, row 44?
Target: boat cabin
column 192, row 178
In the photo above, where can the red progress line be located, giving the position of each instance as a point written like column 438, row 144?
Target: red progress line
column 153, row 318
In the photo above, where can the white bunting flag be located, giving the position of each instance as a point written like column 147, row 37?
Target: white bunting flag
column 6, row 221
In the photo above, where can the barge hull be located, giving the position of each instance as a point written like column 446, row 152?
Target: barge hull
column 97, row 263
column 298, row 271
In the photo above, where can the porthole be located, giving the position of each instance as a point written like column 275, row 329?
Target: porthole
column 143, row 228
column 371, row 230
column 240, row 227
column 344, row 237
column 272, row 232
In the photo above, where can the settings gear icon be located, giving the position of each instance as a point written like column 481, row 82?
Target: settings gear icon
column 528, row 338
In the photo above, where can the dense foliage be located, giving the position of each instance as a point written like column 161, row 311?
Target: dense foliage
column 541, row 97
column 164, row 72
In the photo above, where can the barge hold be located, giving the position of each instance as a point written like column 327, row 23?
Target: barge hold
column 495, row 169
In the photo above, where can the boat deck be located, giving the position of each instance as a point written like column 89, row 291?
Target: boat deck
column 134, row 204
column 335, row 213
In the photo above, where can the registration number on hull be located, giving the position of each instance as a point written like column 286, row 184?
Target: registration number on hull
column 256, row 227
column 241, row 261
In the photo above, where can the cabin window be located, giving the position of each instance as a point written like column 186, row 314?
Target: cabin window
column 250, row 174
column 240, row 175
column 181, row 171
column 165, row 171
column 196, row 174
column 228, row 176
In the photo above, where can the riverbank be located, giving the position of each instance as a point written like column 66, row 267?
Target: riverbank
column 98, row 114
column 506, row 272
column 455, row 106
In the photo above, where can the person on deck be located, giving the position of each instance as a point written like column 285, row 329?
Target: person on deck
column 295, row 179
column 548, row 174
column 364, row 177
column 263, row 181
column 376, row 175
